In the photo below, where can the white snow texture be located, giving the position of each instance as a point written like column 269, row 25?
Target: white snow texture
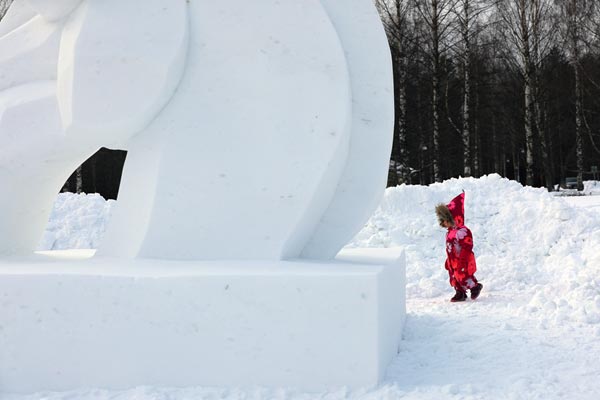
column 276, row 148
column 534, row 333
column 526, row 239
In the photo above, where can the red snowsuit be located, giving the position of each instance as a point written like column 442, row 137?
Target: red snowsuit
column 460, row 261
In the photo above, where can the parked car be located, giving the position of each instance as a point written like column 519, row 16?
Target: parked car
column 571, row 182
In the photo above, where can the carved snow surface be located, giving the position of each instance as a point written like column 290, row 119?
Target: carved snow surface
column 53, row 10
column 115, row 81
column 360, row 188
column 263, row 110
column 29, row 53
column 18, row 13
column 273, row 117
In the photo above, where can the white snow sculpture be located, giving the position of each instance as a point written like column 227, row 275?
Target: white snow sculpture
column 53, row 10
column 254, row 130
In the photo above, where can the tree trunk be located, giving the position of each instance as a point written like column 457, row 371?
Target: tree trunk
column 78, row 180
column 536, row 97
column 573, row 9
column 525, row 48
column 435, row 37
column 495, row 141
column 528, row 131
column 466, row 133
column 548, row 175
column 436, row 128
column 516, row 166
column 475, row 135
column 402, row 168
column 578, row 134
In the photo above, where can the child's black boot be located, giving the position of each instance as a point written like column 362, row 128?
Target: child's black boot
column 460, row 295
column 476, row 290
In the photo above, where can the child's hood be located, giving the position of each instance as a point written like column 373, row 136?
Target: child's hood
column 457, row 209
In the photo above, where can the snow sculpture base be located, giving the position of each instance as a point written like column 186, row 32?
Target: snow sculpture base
column 115, row 324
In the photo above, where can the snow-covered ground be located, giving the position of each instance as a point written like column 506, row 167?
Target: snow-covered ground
column 77, row 221
column 533, row 334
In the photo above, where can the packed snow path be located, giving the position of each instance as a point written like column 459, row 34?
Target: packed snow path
column 481, row 350
column 534, row 333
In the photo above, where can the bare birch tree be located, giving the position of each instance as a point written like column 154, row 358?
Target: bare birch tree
column 468, row 19
column 525, row 24
column 436, row 16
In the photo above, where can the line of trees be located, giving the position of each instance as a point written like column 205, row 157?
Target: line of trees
column 505, row 86
column 481, row 86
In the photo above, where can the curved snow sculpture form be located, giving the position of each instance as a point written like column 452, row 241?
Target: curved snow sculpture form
column 255, row 130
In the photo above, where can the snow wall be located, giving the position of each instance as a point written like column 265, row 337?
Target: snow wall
column 525, row 240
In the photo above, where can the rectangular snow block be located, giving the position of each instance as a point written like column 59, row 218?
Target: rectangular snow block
column 116, row 324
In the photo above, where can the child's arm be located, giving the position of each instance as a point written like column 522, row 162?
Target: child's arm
column 466, row 244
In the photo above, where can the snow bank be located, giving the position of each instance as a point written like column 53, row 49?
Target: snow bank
column 534, row 323
column 77, row 221
column 526, row 240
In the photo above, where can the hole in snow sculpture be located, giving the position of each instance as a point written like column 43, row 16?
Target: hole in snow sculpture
column 101, row 173
column 253, row 130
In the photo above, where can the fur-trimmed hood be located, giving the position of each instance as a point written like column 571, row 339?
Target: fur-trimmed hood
column 443, row 214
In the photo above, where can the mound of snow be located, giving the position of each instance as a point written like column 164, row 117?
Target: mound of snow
column 527, row 242
column 77, row 221
column 591, row 187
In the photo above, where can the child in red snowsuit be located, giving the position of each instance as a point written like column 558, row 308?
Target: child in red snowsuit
column 460, row 260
